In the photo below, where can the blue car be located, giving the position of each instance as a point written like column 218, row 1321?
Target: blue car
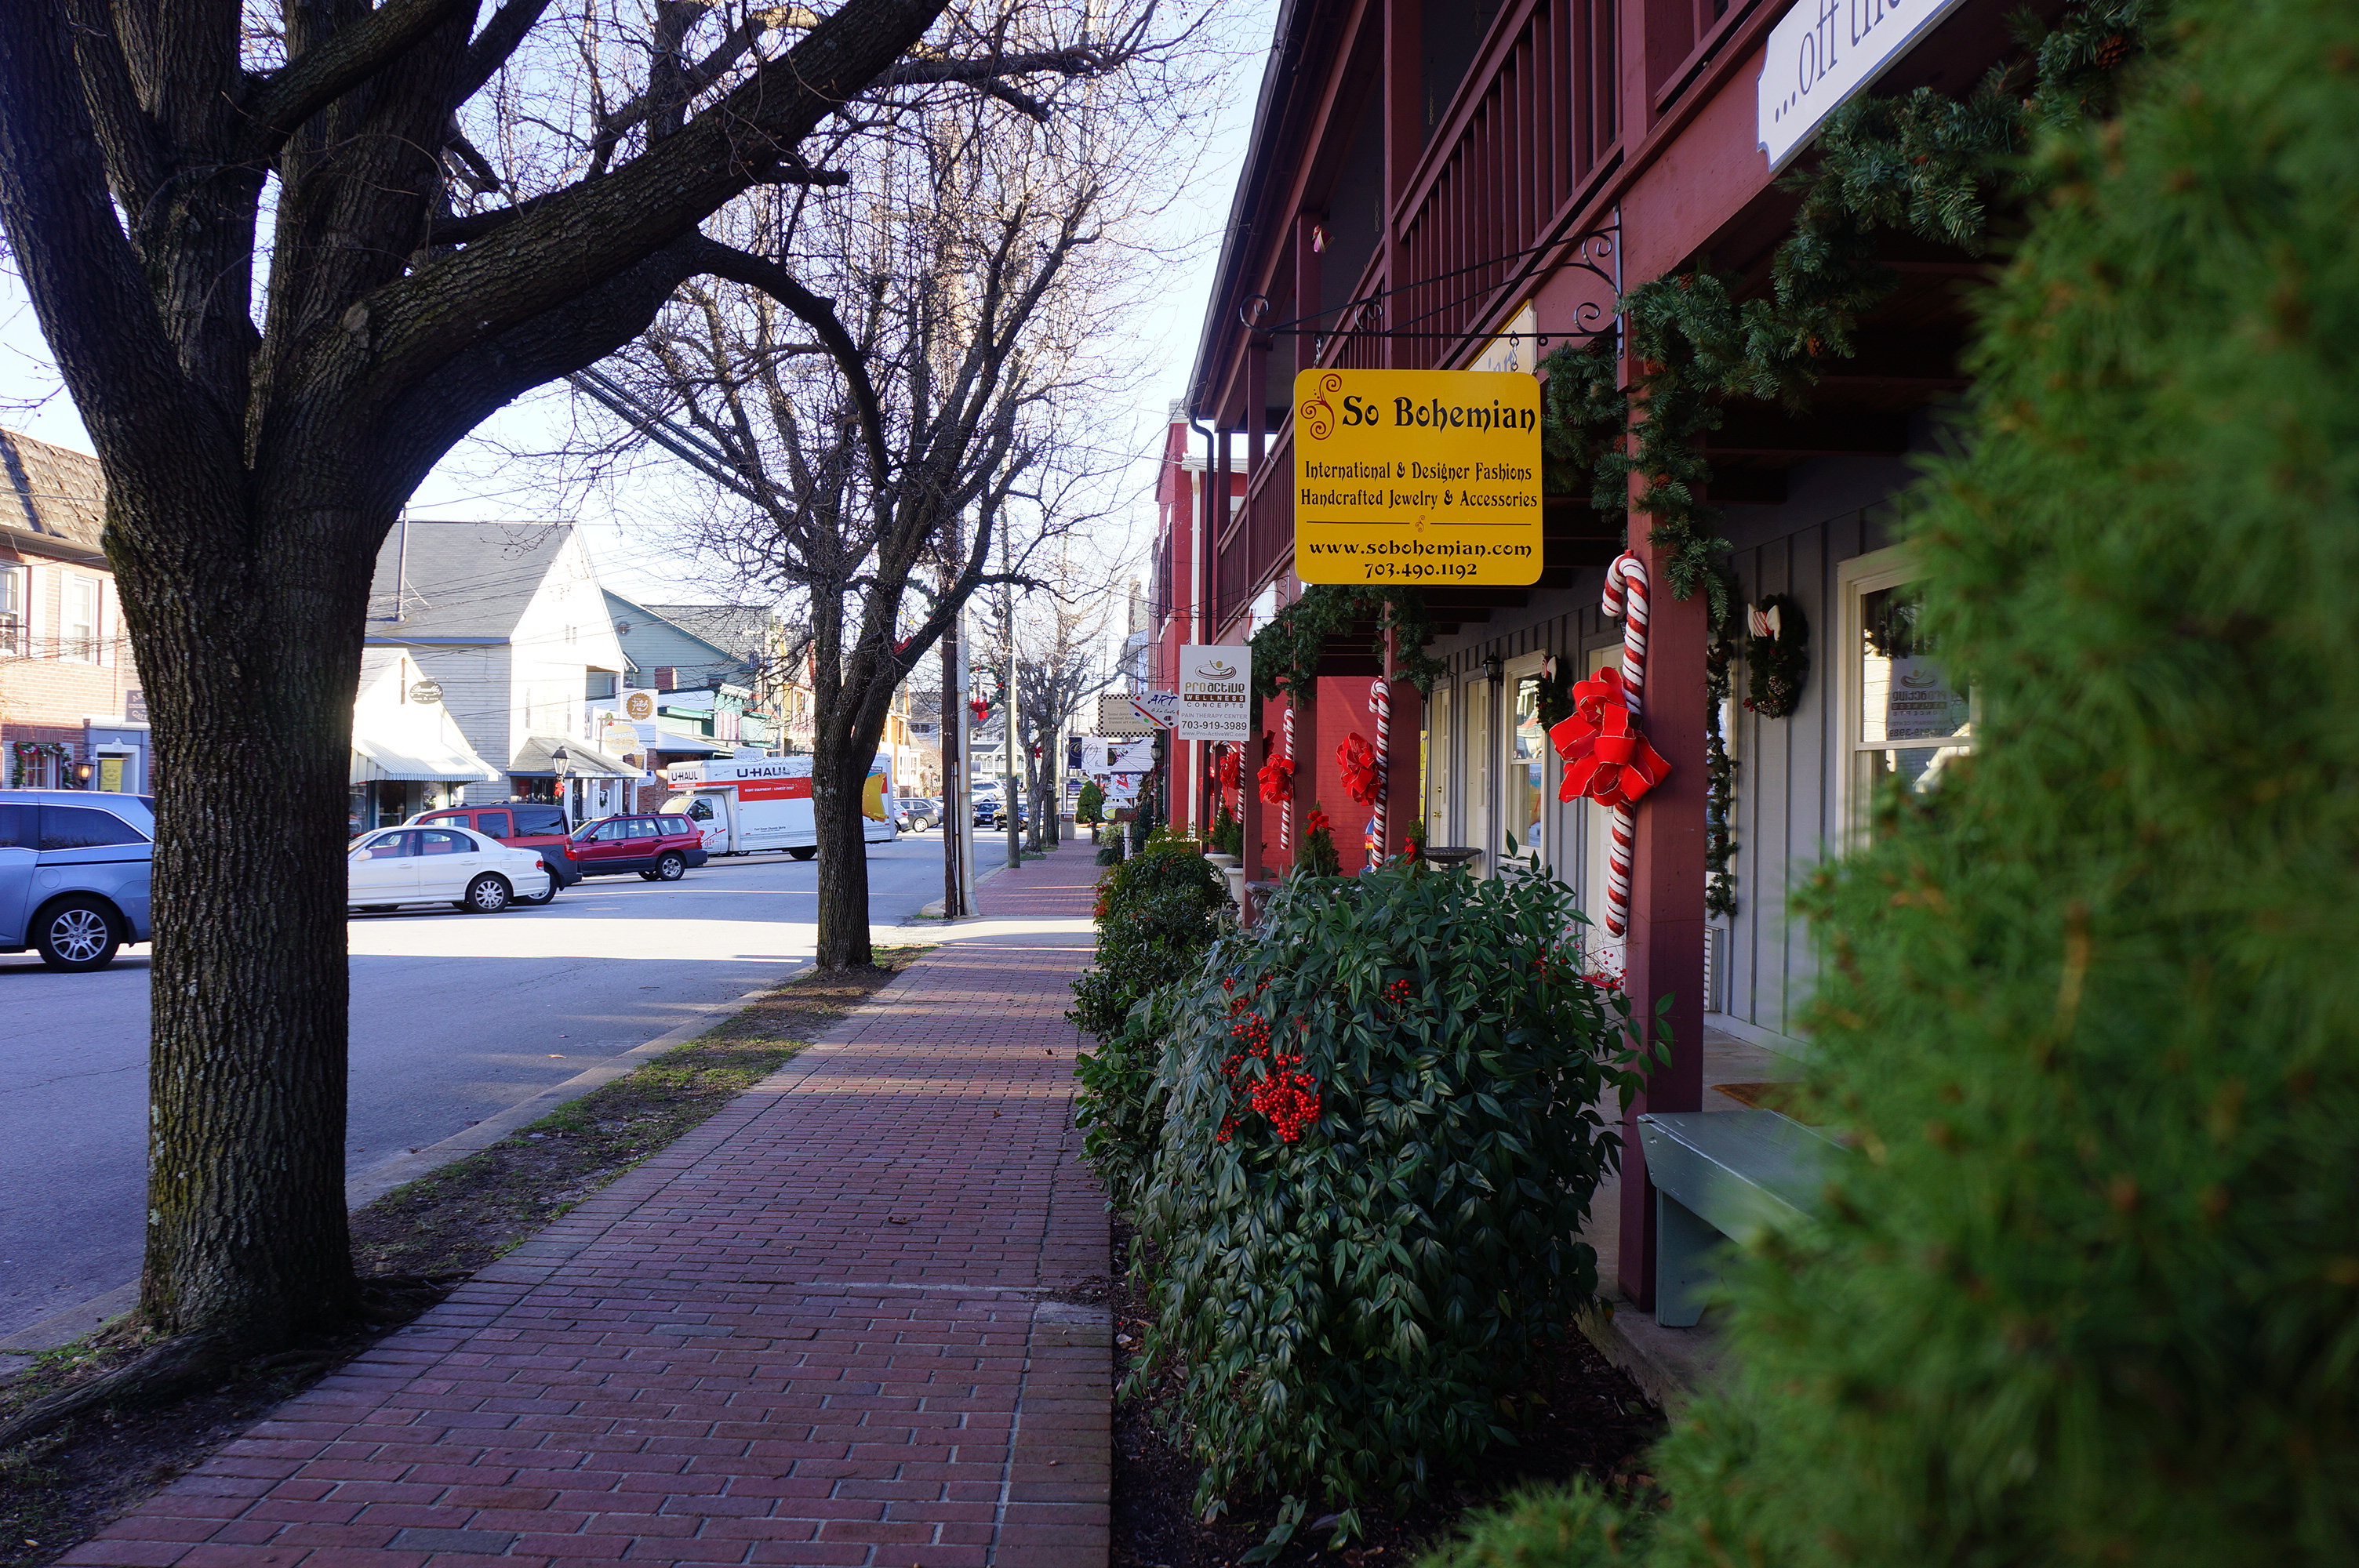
column 74, row 866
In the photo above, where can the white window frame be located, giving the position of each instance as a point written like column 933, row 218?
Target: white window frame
column 1854, row 581
column 21, row 645
column 71, row 648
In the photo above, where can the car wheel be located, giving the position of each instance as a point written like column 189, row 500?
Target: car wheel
column 671, row 867
column 805, row 853
column 539, row 898
column 79, row 934
column 487, row 894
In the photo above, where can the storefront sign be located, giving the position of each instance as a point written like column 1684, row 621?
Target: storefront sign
column 1825, row 51
column 427, row 691
column 1920, row 704
column 1161, row 709
column 1120, row 716
column 1417, row 476
column 1215, row 684
column 639, row 705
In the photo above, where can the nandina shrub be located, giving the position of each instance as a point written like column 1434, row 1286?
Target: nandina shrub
column 1157, row 913
column 1382, row 1115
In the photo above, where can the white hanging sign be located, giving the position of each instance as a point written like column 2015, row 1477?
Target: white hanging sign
column 1215, row 693
column 1825, row 51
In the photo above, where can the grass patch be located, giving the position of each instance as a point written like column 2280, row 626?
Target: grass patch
column 410, row 1247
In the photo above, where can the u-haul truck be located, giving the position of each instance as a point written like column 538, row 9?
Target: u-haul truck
column 747, row 804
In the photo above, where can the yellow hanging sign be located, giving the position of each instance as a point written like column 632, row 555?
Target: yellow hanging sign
column 1417, row 476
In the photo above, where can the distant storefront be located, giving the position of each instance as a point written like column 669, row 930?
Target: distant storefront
column 408, row 753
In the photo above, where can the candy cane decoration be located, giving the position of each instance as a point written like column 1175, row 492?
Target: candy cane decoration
column 1626, row 598
column 1380, row 700
column 1286, row 808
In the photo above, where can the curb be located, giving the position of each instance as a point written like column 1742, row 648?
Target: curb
column 934, row 911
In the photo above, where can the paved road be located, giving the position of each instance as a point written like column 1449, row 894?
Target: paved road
column 454, row 1018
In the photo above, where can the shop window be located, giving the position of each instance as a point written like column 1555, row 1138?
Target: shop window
column 1527, row 777
column 1906, row 720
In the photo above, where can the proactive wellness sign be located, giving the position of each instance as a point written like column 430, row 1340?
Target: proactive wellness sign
column 1428, row 476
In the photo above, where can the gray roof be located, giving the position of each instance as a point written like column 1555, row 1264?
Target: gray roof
column 52, row 490
column 740, row 628
column 465, row 580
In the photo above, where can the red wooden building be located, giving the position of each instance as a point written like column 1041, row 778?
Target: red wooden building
column 1436, row 187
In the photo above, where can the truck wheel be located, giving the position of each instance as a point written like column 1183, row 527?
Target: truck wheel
column 804, row 854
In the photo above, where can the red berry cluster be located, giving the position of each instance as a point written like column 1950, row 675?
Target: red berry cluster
column 1397, row 993
column 1283, row 1093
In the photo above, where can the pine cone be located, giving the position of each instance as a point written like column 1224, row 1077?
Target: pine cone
column 2112, row 51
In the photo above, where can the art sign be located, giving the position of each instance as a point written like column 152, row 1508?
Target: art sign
column 1426, row 476
column 1215, row 688
column 1825, row 51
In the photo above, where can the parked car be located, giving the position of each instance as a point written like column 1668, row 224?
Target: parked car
column 917, row 814
column 520, row 824
column 74, row 868
column 987, row 813
column 441, row 864
column 661, row 846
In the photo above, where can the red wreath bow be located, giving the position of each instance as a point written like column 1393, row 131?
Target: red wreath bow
column 1233, row 768
column 1358, row 761
column 1605, row 757
column 1317, row 822
column 1277, row 781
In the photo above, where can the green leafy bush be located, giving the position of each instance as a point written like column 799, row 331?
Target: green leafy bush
column 1228, row 835
column 1089, row 806
column 2091, row 1296
column 1157, row 911
column 1381, row 1127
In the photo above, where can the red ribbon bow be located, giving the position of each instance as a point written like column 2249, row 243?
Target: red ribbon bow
column 1605, row 757
column 1277, row 781
column 1233, row 768
column 1358, row 761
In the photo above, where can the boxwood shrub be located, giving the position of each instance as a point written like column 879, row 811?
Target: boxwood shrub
column 1379, row 1121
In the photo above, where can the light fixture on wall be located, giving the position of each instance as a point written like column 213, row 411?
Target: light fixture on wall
column 1495, row 668
column 83, row 774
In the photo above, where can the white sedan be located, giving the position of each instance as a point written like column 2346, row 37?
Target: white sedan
column 442, row 864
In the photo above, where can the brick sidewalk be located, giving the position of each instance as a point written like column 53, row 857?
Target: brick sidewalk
column 814, row 1331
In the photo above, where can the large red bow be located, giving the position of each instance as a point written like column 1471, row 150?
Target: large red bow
column 1605, row 757
column 1277, row 781
column 1358, row 761
column 1233, row 768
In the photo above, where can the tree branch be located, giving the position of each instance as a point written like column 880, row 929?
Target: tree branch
column 279, row 103
column 757, row 272
column 492, row 47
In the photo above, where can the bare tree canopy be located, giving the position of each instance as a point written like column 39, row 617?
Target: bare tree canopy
column 893, row 384
column 286, row 256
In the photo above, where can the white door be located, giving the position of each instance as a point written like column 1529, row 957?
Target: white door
column 384, row 868
column 447, row 862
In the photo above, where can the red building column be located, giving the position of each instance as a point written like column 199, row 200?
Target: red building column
column 1665, row 956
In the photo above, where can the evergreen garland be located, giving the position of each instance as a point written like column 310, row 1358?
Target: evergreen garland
column 1720, row 783
column 1286, row 653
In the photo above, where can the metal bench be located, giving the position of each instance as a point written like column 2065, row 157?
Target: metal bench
column 1724, row 1173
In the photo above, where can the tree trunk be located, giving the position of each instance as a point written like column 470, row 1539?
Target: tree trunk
column 837, row 783
column 249, row 654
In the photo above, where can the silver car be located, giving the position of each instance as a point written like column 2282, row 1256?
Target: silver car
column 74, row 867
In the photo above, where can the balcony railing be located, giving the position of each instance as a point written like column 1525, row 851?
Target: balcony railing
column 1507, row 165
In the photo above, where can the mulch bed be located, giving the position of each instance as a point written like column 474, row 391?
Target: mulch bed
column 1595, row 1423
column 410, row 1247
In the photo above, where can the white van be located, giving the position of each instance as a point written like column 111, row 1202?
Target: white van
column 747, row 804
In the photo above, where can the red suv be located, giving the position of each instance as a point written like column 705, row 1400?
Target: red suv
column 660, row 849
column 520, row 824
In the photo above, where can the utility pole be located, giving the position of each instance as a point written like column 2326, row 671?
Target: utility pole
column 958, row 816
column 1011, row 809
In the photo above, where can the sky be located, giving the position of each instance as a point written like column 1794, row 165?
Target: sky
column 627, row 521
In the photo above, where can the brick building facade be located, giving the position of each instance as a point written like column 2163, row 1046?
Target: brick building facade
column 65, row 656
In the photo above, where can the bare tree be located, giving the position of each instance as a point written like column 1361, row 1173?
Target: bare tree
column 889, row 381
column 285, row 258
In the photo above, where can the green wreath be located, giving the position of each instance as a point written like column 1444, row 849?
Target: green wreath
column 1779, row 661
